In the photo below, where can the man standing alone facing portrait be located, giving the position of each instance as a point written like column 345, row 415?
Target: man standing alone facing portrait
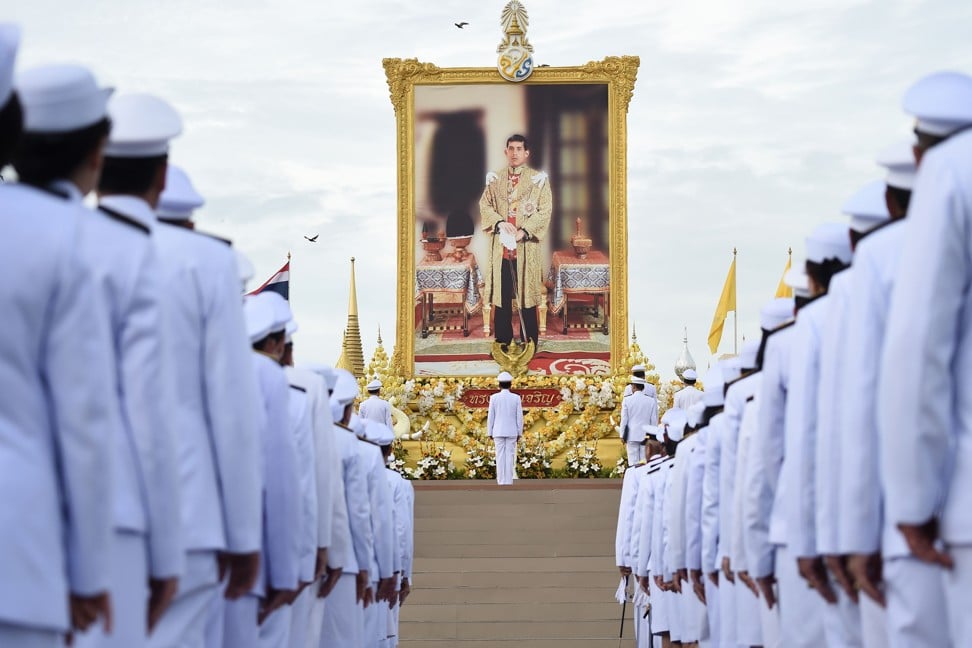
column 515, row 206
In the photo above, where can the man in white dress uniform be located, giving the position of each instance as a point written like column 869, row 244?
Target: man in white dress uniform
column 637, row 410
column 375, row 408
column 504, row 423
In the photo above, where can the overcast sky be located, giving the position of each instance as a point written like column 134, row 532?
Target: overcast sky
column 752, row 121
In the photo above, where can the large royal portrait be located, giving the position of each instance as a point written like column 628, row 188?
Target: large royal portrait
column 512, row 217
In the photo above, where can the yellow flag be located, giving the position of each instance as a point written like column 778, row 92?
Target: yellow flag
column 782, row 290
column 727, row 302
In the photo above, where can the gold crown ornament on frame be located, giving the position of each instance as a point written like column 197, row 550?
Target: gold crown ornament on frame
column 515, row 61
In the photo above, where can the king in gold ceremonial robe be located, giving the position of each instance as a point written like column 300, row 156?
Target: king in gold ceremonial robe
column 516, row 202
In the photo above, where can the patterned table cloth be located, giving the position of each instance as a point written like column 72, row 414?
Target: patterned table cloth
column 450, row 276
column 572, row 275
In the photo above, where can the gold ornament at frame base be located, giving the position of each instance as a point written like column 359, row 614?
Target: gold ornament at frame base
column 515, row 358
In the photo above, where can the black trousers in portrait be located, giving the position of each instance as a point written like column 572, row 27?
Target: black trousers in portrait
column 503, row 316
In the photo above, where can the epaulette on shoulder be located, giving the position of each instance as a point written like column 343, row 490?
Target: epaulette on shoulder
column 225, row 241
column 889, row 223
column 298, row 388
column 345, row 427
column 124, row 219
column 751, row 399
column 364, row 440
column 735, row 380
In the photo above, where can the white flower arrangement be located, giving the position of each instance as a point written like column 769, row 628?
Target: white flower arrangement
column 436, row 463
column 481, row 461
column 532, row 458
column 582, row 461
column 619, row 467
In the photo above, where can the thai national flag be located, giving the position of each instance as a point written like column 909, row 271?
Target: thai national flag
column 278, row 283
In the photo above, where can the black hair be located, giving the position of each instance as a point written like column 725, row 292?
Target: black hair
column 519, row 138
column 927, row 140
column 762, row 348
column 42, row 158
column 799, row 302
column 901, row 197
column 130, row 176
column 689, row 381
column 822, row 273
column 638, row 374
column 11, row 128
column 637, row 387
column 505, row 385
column 670, row 446
column 273, row 337
column 386, row 450
column 707, row 414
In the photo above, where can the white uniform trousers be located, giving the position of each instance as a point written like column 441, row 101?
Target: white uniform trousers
column 240, row 629
column 300, row 616
column 214, row 619
column 842, row 621
column 374, row 627
column 712, row 612
column 693, row 615
column 801, row 608
column 958, row 595
column 505, row 459
column 274, row 632
column 315, row 619
column 674, row 605
column 24, row 637
column 770, row 622
column 184, row 624
column 659, row 608
column 128, row 585
column 749, row 624
column 343, row 624
column 392, row 627
column 636, row 453
column 874, row 623
column 727, row 611
column 917, row 612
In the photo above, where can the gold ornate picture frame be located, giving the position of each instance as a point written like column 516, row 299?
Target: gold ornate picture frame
column 404, row 76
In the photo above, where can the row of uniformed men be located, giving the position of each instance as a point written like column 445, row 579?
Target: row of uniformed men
column 171, row 481
column 818, row 494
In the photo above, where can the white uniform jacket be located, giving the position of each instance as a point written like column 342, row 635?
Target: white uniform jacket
column 675, row 513
column 836, row 384
column 687, row 397
column 382, row 564
column 860, row 509
column 376, row 409
column 300, row 426
column 925, row 397
column 354, row 473
column 637, row 411
column 622, row 535
column 57, row 418
column 710, row 493
column 280, row 557
column 762, row 503
column 505, row 418
column 693, row 501
column 736, row 400
column 737, row 546
column 646, row 502
column 801, row 430
column 127, row 262
column 216, row 408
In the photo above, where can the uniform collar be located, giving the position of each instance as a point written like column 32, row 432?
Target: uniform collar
column 516, row 170
column 131, row 206
column 67, row 189
column 267, row 355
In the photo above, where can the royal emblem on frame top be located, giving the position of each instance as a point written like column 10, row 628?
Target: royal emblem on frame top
column 515, row 61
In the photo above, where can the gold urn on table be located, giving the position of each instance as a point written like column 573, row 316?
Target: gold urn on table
column 581, row 243
column 432, row 246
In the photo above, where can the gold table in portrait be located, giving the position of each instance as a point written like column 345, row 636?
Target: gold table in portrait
column 458, row 283
column 571, row 275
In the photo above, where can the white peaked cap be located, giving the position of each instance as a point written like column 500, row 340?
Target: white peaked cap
column 374, row 385
column 260, row 317
column 281, row 310
column 244, row 267
column 9, row 42
column 749, row 352
column 638, row 367
column 899, row 160
column 775, row 313
column 730, row 368
column 690, row 374
column 379, row 433
column 635, row 380
column 180, row 198
column 714, row 384
column 867, row 207
column 676, row 419
column 141, row 126
column 60, row 98
column 504, row 377
column 290, row 329
column 797, row 279
column 695, row 413
column 324, row 371
column 829, row 241
column 345, row 387
column 940, row 102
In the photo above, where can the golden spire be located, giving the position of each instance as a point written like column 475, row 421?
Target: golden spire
column 351, row 352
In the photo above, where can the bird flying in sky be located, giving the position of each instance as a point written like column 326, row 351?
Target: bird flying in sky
column 460, row 25
column 312, row 239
